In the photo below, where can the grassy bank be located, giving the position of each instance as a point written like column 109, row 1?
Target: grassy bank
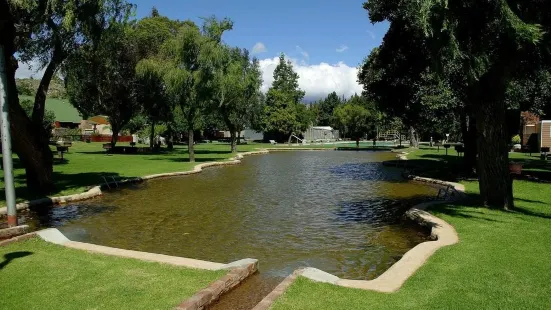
column 433, row 162
column 87, row 163
column 41, row 275
column 501, row 262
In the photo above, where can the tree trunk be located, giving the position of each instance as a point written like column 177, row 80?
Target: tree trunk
column 114, row 136
column 42, row 91
column 357, row 143
column 239, row 137
column 233, row 141
column 152, row 135
column 29, row 142
column 468, row 129
column 290, row 137
column 190, row 146
column 495, row 182
column 413, row 141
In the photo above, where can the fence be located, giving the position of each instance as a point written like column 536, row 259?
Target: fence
column 93, row 138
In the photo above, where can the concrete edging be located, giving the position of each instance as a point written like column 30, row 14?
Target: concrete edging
column 393, row 278
column 212, row 293
column 268, row 301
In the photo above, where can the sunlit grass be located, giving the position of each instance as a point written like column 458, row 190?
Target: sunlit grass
column 40, row 275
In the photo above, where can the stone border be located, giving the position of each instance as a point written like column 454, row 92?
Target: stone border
column 210, row 294
column 393, row 279
column 267, row 302
column 442, row 233
column 11, row 232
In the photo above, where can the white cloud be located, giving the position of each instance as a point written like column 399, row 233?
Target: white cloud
column 371, row 34
column 303, row 52
column 342, row 48
column 259, row 47
column 316, row 80
column 29, row 70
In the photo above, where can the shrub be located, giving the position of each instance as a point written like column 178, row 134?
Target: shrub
column 515, row 140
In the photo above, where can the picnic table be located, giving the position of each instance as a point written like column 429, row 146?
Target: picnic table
column 61, row 150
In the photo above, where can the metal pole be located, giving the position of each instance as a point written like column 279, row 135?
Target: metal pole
column 6, row 144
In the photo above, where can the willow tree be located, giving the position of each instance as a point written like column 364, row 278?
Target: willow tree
column 151, row 93
column 190, row 71
column 236, row 90
column 489, row 41
column 354, row 120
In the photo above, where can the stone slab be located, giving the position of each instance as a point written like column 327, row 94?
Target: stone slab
column 11, row 232
column 151, row 257
column 52, row 235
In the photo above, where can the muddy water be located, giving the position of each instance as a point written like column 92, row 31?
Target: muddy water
column 336, row 211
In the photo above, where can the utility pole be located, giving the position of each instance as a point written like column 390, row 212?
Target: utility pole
column 6, row 143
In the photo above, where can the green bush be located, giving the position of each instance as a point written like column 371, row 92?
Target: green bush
column 515, row 140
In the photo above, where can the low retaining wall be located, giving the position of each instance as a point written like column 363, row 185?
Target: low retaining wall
column 11, row 232
column 207, row 296
column 391, row 280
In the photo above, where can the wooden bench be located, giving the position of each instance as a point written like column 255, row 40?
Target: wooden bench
column 107, row 147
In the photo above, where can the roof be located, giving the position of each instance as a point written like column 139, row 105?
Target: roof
column 323, row 128
column 99, row 119
column 63, row 110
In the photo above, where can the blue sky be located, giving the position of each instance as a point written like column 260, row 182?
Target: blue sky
column 325, row 39
column 318, row 27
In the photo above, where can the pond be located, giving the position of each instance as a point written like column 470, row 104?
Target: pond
column 334, row 210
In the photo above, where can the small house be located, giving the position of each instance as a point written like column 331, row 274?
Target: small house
column 545, row 133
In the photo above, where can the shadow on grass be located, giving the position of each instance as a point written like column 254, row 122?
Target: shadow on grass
column 9, row 257
column 469, row 209
column 186, row 160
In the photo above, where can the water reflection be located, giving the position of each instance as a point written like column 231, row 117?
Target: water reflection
column 336, row 211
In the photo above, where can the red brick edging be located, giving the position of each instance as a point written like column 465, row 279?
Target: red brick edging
column 212, row 293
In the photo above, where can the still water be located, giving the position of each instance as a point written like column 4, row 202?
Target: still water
column 336, row 211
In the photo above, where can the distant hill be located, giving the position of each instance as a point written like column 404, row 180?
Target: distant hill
column 63, row 110
column 28, row 87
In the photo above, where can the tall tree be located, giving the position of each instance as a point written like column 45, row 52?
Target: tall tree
column 354, row 120
column 101, row 79
column 151, row 94
column 47, row 31
column 327, row 107
column 489, row 41
column 236, row 93
column 191, row 58
column 282, row 102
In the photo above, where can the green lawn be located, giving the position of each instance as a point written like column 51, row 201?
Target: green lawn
column 87, row 163
column 432, row 162
column 40, row 275
column 501, row 262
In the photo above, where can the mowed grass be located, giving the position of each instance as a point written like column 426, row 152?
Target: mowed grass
column 500, row 262
column 40, row 275
column 87, row 163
